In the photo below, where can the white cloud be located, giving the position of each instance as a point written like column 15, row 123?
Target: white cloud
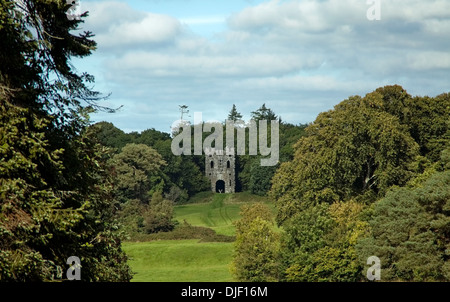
column 152, row 29
column 211, row 65
column 105, row 14
column 118, row 26
column 304, row 56
column 301, row 83
column 307, row 16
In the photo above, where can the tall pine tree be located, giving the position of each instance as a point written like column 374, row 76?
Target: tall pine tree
column 234, row 115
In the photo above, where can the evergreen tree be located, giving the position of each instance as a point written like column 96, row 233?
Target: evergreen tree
column 410, row 232
column 55, row 184
column 263, row 113
column 234, row 115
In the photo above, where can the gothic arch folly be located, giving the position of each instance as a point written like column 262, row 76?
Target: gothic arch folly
column 220, row 170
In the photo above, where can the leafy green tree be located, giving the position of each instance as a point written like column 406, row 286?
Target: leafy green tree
column 256, row 256
column 139, row 218
column 138, row 169
column 151, row 137
column 55, row 183
column 260, row 177
column 304, row 235
column 131, row 217
column 426, row 118
column 289, row 135
column 111, row 136
column 319, row 243
column 159, row 215
column 185, row 172
column 177, row 195
column 181, row 173
column 357, row 149
column 55, row 204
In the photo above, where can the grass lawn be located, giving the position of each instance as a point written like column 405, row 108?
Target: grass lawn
column 190, row 260
column 180, row 261
column 218, row 213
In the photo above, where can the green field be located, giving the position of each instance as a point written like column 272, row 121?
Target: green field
column 180, row 260
column 191, row 260
column 215, row 214
column 219, row 212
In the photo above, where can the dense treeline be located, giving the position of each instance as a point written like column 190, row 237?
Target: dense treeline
column 370, row 178
column 145, row 165
column 181, row 174
column 185, row 174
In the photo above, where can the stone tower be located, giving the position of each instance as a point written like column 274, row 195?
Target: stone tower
column 220, row 170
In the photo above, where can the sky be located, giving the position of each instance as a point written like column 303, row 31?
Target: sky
column 300, row 58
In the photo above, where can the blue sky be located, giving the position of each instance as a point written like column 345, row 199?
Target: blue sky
column 298, row 57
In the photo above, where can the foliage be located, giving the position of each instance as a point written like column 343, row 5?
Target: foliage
column 141, row 218
column 357, row 149
column 253, row 177
column 260, row 177
column 138, row 169
column 111, row 136
column 234, row 115
column 185, row 174
column 256, row 247
column 181, row 176
column 159, row 215
column 319, row 243
column 263, row 113
column 350, row 157
column 289, row 135
column 185, row 231
column 410, row 232
column 55, row 204
column 131, row 216
column 177, row 195
column 55, row 184
column 426, row 118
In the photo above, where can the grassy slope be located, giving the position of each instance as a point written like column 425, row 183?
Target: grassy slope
column 217, row 214
column 180, row 261
column 190, row 260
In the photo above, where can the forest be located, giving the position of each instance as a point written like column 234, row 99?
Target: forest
column 369, row 177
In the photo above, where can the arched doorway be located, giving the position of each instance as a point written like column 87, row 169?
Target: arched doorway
column 220, row 186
